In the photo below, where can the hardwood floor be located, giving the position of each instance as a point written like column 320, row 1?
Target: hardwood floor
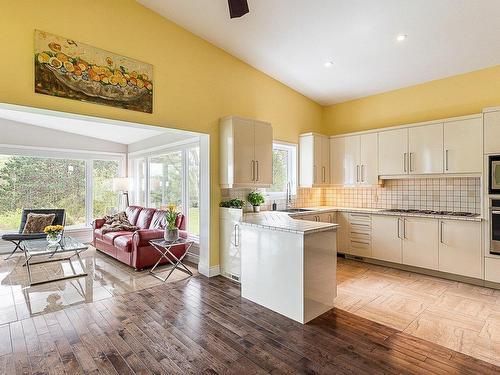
column 202, row 325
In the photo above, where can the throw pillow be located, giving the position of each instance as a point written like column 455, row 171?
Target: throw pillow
column 36, row 223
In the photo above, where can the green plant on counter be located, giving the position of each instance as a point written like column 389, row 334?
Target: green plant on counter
column 255, row 198
column 232, row 203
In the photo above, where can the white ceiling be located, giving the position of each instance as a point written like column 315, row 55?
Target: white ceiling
column 291, row 40
column 108, row 130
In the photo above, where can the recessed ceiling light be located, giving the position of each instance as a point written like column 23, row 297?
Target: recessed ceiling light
column 328, row 64
column 401, row 37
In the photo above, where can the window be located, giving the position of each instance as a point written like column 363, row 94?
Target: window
column 284, row 168
column 52, row 179
column 170, row 176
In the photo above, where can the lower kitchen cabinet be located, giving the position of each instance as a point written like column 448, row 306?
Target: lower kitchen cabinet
column 343, row 232
column 387, row 241
column 420, row 244
column 460, row 247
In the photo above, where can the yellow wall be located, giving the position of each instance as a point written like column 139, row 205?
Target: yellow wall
column 195, row 82
column 449, row 97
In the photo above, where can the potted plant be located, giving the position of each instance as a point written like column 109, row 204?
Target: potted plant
column 171, row 231
column 232, row 203
column 255, row 199
column 54, row 234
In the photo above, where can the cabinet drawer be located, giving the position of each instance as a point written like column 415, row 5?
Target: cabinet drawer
column 360, row 247
column 360, row 217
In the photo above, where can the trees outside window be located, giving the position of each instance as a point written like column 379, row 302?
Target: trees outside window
column 105, row 200
column 284, row 168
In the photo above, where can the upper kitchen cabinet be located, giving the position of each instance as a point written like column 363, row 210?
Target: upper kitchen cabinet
column 393, row 152
column 314, row 160
column 463, row 144
column 425, row 149
column 492, row 132
column 353, row 160
column 246, row 153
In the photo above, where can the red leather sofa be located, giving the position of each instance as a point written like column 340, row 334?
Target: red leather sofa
column 133, row 248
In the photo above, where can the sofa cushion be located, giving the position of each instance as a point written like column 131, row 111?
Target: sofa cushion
column 145, row 217
column 159, row 220
column 110, row 237
column 133, row 213
column 98, row 233
column 124, row 243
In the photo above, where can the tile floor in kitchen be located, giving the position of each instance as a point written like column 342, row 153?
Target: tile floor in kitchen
column 459, row 316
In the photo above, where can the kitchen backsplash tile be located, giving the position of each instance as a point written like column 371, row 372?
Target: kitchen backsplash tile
column 450, row 194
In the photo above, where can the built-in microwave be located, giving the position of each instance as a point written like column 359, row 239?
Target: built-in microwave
column 494, row 174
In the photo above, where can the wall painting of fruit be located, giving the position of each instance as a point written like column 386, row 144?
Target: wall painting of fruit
column 74, row 70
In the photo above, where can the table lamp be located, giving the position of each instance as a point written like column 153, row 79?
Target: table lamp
column 121, row 184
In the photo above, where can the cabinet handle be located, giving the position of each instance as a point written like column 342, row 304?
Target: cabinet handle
column 323, row 171
column 314, row 172
column 446, row 160
column 361, row 242
column 404, row 228
column 357, row 173
column 441, row 234
column 411, row 164
column 257, row 165
column 253, row 170
column 405, row 162
column 399, row 228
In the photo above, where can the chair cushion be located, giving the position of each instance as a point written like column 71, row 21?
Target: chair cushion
column 145, row 218
column 124, row 243
column 133, row 213
column 159, row 220
column 109, row 238
column 22, row 237
column 36, row 223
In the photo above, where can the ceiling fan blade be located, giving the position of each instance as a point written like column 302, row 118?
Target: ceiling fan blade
column 237, row 8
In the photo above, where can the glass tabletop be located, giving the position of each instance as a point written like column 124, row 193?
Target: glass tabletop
column 42, row 247
column 162, row 242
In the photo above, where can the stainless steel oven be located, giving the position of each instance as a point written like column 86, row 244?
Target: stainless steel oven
column 495, row 226
column 494, row 174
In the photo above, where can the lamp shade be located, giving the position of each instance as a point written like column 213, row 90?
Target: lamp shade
column 120, row 184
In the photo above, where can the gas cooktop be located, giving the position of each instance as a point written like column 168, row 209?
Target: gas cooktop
column 432, row 212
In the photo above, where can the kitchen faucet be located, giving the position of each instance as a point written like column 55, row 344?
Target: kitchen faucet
column 288, row 196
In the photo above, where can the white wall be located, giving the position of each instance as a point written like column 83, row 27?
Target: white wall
column 162, row 140
column 20, row 134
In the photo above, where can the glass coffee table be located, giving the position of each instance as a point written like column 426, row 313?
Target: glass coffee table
column 163, row 248
column 40, row 248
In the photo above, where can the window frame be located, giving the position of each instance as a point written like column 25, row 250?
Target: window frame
column 83, row 155
column 292, row 149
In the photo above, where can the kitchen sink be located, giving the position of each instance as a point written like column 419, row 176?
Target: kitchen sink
column 291, row 210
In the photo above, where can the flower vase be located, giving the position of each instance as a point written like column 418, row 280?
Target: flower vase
column 171, row 235
column 53, row 238
column 256, row 208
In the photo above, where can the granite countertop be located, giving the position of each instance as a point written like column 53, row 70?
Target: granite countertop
column 282, row 221
column 382, row 211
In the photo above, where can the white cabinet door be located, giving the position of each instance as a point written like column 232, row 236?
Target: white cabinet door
column 387, row 237
column 343, row 232
column 425, row 147
column 325, row 160
column 317, row 163
column 492, row 132
column 244, row 141
column 421, row 243
column 463, row 151
column 263, row 140
column 392, row 152
column 460, row 247
column 368, row 159
column 337, row 171
column 328, row 217
column 352, row 168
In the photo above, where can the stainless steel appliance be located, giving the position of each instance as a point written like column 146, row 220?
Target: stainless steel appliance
column 494, row 174
column 495, row 226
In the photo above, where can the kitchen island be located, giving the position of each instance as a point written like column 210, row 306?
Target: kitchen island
column 288, row 265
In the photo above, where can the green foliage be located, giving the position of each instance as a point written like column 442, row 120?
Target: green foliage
column 232, row 203
column 255, row 198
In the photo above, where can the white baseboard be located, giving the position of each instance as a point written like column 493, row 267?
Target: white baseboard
column 209, row 272
column 193, row 258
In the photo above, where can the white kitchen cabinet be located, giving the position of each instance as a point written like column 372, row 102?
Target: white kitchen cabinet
column 425, row 149
column 343, row 232
column 393, row 152
column 463, row 146
column 492, row 270
column 328, row 217
column 314, row 160
column 460, row 247
column 492, row 132
column 230, row 242
column 354, row 160
column 420, row 244
column 360, row 234
column 387, row 243
column 246, row 153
